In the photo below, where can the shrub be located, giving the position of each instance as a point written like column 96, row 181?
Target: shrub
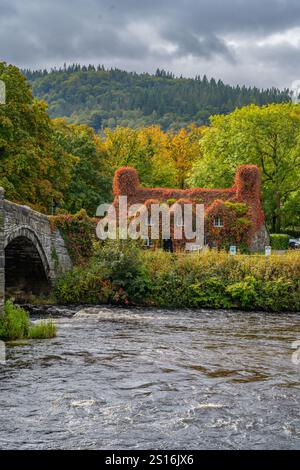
column 115, row 274
column 15, row 324
column 210, row 292
column 122, row 273
column 218, row 280
column 85, row 284
column 122, row 260
column 279, row 241
column 245, row 293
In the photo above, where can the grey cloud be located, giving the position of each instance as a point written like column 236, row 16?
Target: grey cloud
column 206, row 46
column 47, row 32
column 7, row 9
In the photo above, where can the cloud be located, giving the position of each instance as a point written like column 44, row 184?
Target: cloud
column 232, row 39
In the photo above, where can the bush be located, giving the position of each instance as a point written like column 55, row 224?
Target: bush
column 83, row 285
column 122, row 273
column 279, row 241
column 122, row 260
column 219, row 280
column 246, row 292
column 115, row 274
column 15, row 324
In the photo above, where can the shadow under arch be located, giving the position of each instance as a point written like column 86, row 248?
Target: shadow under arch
column 27, row 270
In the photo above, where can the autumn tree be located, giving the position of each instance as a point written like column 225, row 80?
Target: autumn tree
column 146, row 149
column 185, row 149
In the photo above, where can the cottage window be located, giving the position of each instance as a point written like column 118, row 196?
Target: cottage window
column 218, row 222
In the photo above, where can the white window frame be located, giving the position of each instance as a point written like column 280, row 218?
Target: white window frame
column 218, row 222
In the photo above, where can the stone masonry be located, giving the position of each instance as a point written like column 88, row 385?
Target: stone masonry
column 21, row 223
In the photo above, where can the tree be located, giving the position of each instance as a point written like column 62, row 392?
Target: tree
column 268, row 136
column 185, row 149
column 111, row 98
column 91, row 179
column 146, row 149
column 33, row 170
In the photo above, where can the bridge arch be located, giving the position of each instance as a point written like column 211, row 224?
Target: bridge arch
column 27, row 269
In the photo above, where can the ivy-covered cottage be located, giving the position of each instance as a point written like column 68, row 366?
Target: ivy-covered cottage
column 233, row 216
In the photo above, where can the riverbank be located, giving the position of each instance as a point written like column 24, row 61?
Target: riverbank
column 121, row 273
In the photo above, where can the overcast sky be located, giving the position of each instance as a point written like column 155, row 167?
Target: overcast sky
column 256, row 42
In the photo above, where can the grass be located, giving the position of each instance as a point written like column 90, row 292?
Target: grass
column 42, row 330
column 15, row 324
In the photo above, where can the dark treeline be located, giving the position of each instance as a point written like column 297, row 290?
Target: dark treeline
column 110, row 98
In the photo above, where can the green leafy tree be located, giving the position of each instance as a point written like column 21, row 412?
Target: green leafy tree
column 268, row 136
column 33, row 169
column 91, row 178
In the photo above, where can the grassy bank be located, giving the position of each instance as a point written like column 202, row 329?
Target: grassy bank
column 15, row 324
column 122, row 273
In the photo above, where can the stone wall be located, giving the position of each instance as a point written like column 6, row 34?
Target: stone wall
column 260, row 240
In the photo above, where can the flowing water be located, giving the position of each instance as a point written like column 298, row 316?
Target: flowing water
column 140, row 379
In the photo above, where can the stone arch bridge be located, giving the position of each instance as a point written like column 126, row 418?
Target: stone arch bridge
column 31, row 254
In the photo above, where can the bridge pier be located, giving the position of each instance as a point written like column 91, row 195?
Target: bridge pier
column 2, row 253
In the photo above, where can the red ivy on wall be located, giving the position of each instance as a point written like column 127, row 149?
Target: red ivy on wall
column 238, row 228
column 78, row 232
column 235, row 224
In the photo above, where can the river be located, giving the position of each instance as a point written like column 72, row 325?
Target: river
column 141, row 378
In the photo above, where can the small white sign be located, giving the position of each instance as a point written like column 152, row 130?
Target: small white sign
column 2, row 92
column 268, row 250
column 232, row 250
column 193, row 247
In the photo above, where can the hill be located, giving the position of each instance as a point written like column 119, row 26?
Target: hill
column 110, row 98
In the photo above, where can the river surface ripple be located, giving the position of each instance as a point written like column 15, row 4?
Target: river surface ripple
column 154, row 379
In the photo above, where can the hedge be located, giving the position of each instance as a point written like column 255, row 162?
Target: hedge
column 279, row 241
column 125, row 275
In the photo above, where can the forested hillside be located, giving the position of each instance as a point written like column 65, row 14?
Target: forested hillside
column 110, row 98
